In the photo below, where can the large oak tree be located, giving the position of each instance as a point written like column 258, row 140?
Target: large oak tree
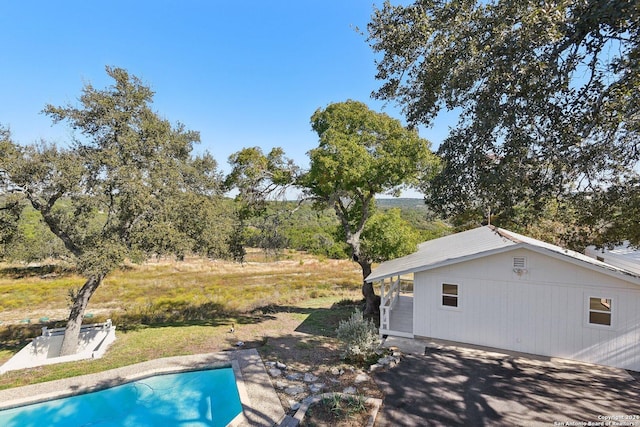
column 361, row 154
column 547, row 92
column 117, row 190
column 258, row 178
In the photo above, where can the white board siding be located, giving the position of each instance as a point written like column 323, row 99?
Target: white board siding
column 542, row 311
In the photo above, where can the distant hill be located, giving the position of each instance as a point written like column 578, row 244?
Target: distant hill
column 402, row 203
column 416, row 213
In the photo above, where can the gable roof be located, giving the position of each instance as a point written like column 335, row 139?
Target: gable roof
column 480, row 242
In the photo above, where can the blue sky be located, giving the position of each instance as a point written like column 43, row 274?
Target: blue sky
column 243, row 74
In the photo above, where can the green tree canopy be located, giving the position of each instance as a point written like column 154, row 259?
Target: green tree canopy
column 547, row 94
column 33, row 240
column 10, row 209
column 115, row 191
column 387, row 235
column 361, row 153
column 258, row 178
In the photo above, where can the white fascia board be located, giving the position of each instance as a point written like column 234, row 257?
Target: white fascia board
column 373, row 278
column 598, row 266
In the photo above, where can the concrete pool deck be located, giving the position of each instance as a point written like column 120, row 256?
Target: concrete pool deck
column 260, row 403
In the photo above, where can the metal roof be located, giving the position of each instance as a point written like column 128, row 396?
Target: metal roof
column 624, row 256
column 480, row 242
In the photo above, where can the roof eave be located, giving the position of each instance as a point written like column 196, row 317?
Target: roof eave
column 605, row 269
column 444, row 263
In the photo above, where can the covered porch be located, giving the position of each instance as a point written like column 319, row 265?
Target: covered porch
column 396, row 306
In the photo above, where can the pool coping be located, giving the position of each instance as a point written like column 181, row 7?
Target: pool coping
column 260, row 403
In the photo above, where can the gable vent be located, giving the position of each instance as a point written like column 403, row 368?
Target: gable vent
column 519, row 262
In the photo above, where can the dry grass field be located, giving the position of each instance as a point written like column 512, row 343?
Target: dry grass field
column 167, row 288
column 287, row 308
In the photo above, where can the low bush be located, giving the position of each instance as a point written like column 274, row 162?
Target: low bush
column 344, row 406
column 338, row 410
column 359, row 337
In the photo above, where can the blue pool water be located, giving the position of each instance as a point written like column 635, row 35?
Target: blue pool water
column 199, row 398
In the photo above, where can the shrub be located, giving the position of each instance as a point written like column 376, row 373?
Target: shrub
column 359, row 337
column 343, row 406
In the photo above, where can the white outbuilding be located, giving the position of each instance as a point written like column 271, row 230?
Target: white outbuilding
column 624, row 256
column 495, row 288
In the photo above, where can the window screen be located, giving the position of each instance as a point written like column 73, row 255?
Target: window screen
column 600, row 311
column 450, row 295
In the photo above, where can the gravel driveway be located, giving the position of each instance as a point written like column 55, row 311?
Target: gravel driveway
column 450, row 386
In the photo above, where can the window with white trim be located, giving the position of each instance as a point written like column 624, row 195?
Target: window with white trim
column 450, row 295
column 600, row 311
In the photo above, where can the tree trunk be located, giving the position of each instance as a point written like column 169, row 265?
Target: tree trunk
column 372, row 301
column 80, row 302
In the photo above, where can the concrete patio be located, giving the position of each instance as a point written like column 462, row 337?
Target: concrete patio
column 445, row 383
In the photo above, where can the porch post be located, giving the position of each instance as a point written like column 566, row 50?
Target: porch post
column 383, row 308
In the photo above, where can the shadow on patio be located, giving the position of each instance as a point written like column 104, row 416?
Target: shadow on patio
column 452, row 387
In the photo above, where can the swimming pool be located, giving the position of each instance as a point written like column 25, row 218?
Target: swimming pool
column 196, row 398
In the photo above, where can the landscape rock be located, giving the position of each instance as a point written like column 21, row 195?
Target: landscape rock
column 374, row 367
column 275, row 372
column 294, row 390
column 307, row 400
column 316, row 387
column 336, row 371
column 280, row 385
column 309, row 378
column 349, row 390
column 294, row 405
column 294, row 376
column 384, row 361
column 360, row 378
column 390, row 361
column 281, row 365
